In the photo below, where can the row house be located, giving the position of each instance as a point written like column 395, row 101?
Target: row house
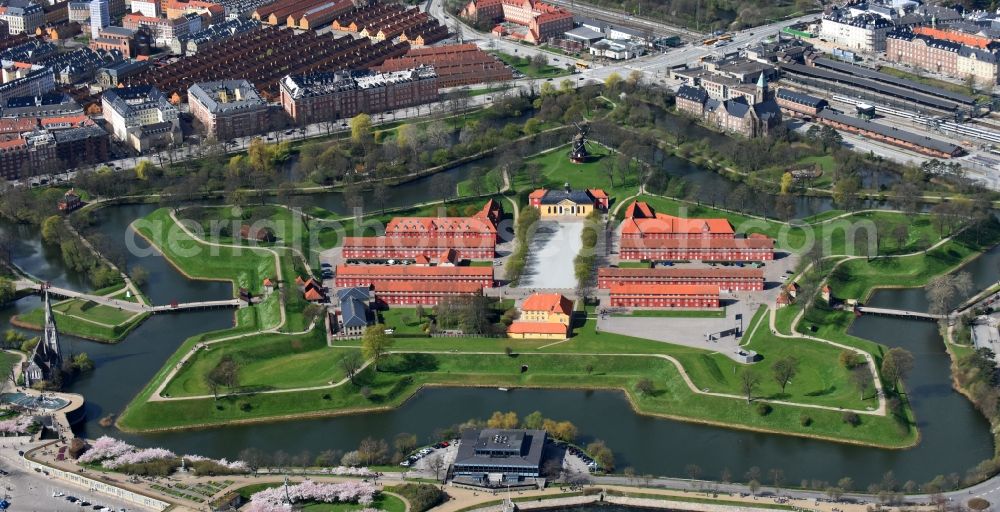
column 664, row 296
column 642, row 221
column 753, row 248
column 229, row 108
column 726, row 278
column 953, row 54
column 455, row 64
column 374, row 275
column 401, row 293
column 412, row 248
column 329, row 96
column 866, row 32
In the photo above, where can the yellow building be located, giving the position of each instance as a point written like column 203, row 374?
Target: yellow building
column 543, row 316
column 568, row 202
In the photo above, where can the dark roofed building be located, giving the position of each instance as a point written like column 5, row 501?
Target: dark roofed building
column 578, row 203
column 797, row 103
column 499, row 456
column 891, row 135
column 229, row 108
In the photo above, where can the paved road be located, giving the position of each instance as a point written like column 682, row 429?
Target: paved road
column 27, row 490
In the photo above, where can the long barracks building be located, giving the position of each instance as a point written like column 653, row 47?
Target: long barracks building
column 726, row 278
column 403, row 293
column 472, row 238
column 664, row 296
column 375, row 275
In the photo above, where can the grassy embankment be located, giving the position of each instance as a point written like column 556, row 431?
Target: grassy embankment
column 86, row 319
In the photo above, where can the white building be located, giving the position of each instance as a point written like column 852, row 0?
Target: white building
column 20, row 81
column 149, row 8
column 142, row 117
column 100, row 17
column 23, row 16
column 865, row 33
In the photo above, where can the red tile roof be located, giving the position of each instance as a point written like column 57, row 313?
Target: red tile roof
column 312, row 294
column 537, row 328
column 697, row 243
column 665, row 289
column 639, row 210
column 680, row 272
column 427, row 287
column 670, row 225
column 410, row 271
column 549, row 302
column 433, row 225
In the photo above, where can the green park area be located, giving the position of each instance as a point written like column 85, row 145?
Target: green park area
column 383, row 501
column 532, row 68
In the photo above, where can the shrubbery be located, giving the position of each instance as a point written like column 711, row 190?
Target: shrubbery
column 422, row 497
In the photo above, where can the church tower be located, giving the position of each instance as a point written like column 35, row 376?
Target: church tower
column 761, row 88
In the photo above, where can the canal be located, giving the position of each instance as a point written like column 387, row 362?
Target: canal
column 954, row 436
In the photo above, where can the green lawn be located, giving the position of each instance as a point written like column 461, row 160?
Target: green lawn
column 556, row 171
column 561, row 365
column 856, row 278
column 836, row 236
column 7, row 361
column 403, row 320
column 244, row 267
column 86, row 319
column 267, row 361
column 525, row 66
column 383, row 501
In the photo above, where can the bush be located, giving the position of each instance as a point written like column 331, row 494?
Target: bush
column 763, row 409
column 805, row 420
column 76, row 447
column 422, row 497
column 852, row 419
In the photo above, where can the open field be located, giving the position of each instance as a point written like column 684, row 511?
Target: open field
column 85, row 319
column 526, row 67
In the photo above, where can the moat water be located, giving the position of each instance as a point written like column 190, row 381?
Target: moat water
column 954, row 437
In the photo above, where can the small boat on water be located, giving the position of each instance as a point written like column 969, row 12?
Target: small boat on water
column 502, row 389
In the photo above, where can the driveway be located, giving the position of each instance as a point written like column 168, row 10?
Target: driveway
column 552, row 249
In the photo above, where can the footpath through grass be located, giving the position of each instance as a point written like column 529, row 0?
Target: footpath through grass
column 86, row 319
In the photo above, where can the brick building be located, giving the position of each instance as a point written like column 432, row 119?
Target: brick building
column 798, row 104
column 726, row 278
column 542, row 20
column 753, row 248
column 648, row 235
column 410, row 238
column 402, row 293
column 229, row 108
column 375, row 275
column 664, row 296
column 455, row 64
column 642, row 221
column 949, row 53
column 736, row 115
column 336, row 95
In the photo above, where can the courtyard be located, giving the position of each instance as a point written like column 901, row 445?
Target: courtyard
column 553, row 246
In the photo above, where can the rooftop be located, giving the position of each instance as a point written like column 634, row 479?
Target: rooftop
column 226, row 96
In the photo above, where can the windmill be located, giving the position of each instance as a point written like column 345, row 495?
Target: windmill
column 579, row 153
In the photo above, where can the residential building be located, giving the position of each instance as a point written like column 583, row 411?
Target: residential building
column 118, row 39
column 141, row 117
column 100, row 17
column 726, row 278
column 79, row 12
column 373, row 275
column 20, row 80
column 542, row 20
column 499, row 456
column 543, row 316
column 119, row 72
column 949, row 53
column 22, row 16
column 576, row 203
column 150, row 8
column 45, row 105
column 69, row 201
column 229, row 108
column 194, row 42
column 664, row 296
column 337, row 95
column 455, row 64
column 866, row 32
